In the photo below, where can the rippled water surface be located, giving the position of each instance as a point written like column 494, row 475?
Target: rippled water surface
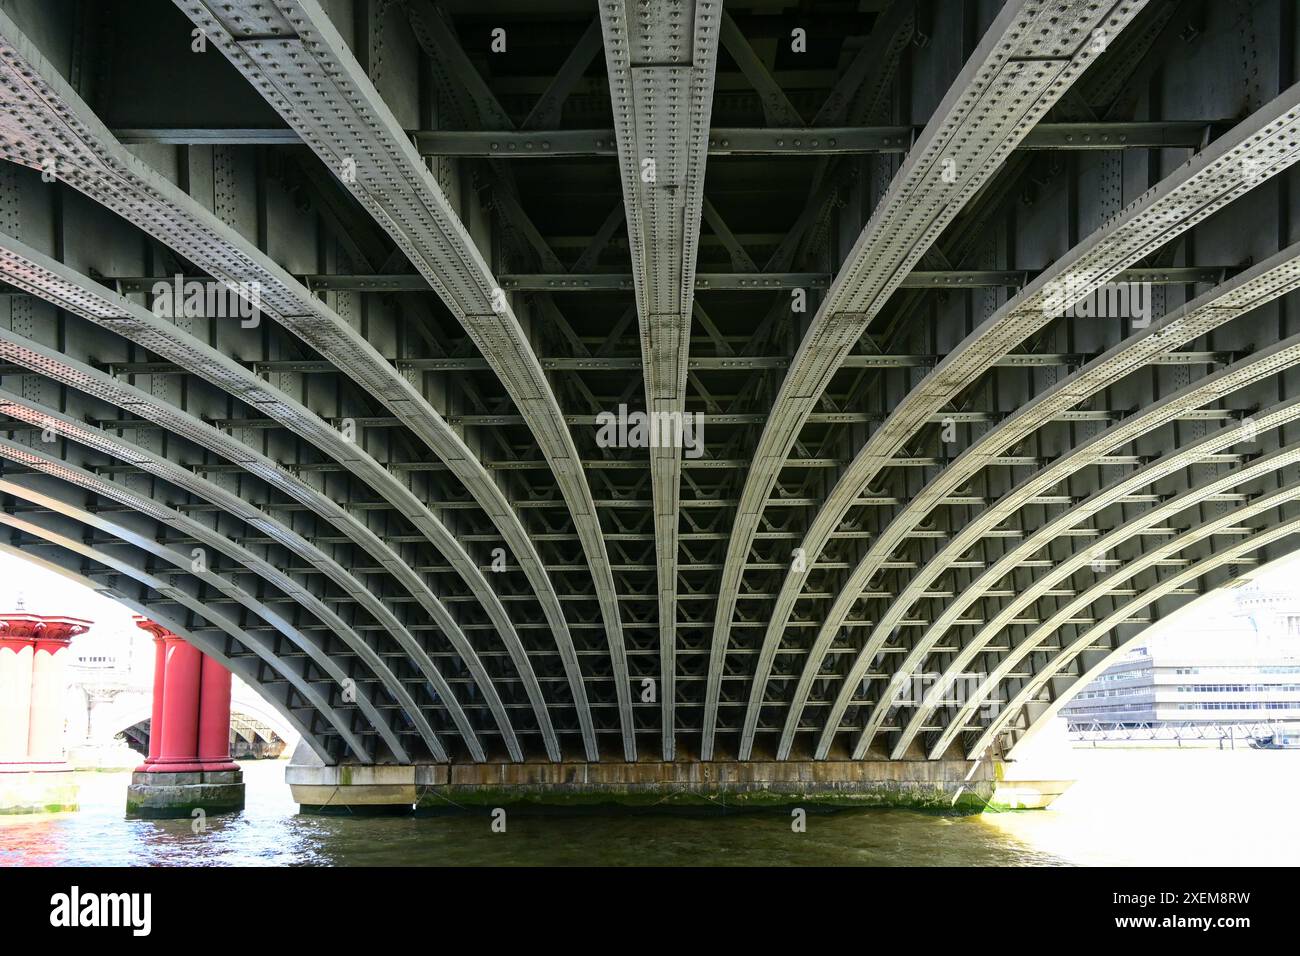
column 1128, row 808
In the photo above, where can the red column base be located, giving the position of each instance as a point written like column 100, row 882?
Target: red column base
column 163, row 765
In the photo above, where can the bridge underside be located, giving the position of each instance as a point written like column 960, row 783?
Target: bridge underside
column 979, row 317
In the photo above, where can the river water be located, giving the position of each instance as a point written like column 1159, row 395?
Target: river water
column 1148, row 808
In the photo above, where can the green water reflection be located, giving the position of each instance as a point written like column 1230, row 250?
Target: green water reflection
column 1193, row 809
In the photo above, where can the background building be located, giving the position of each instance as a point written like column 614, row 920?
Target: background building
column 1238, row 663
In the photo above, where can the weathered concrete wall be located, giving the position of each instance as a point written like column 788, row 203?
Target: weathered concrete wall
column 935, row 785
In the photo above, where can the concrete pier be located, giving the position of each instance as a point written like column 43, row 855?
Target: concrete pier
column 942, row 785
column 154, row 795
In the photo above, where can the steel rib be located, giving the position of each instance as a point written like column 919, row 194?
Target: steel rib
column 1114, row 493
column 31, row 411
column 262, row 648
column 1262, row 364
column 1201, row 186
column 30, row 270
column 1030, row 55
column 44, row 119
column 1148, row 596
column 661, row 91
column 302, row 66
column 1268, row 280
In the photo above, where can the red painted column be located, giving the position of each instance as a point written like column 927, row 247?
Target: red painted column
column 214, row 717
column 180, row 731
column 31, row 688
column 159, row 677
column 190, row 729
column 45, row 736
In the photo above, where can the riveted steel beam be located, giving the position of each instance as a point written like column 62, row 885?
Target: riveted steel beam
column 405, row 282
column 52, row 128
column 1028, row 58
column 1264, row 283
column 239, row 456
column 223, row 500
column 27, row 268
column 1068, row 520
column 1271, row 361
column 1149, row 595
column 722, row 141
column 303, row 67
column 79, row 477
column 1263, row 467
column 1255, row 150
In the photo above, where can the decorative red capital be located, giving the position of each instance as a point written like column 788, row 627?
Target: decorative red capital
column 21, row 626
column 159, row 632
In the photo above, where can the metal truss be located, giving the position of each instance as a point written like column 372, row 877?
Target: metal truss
column 1168, row 730
column 1064, row 524
column 1264, row 467
column 1068, row 651
column 1256, row 149
column 467, row 257
column 1263, row 283
column 1211, row 388
column 300, row 63
column 661, row 69
column 1025, row 62
column 59, row 424
column 53, row 122
column 28, row 269
column 192, row 628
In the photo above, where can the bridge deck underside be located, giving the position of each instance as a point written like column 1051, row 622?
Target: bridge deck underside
column 364, row 498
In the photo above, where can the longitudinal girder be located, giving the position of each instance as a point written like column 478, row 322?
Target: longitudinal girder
column 966, row 346
column 661, row 59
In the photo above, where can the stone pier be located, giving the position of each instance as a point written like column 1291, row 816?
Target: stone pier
column 936, row 785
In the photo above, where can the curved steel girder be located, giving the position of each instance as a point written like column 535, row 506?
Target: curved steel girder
column 661, row 91
column 1102, row 588
column 78, row 477
column 76, row 375
column 297, row 60
column 27, row 410
column 1122, row 647
column 1210, row 388
column 239, row 667
column 1028, row 58
column 35, row 525
column 1117, row 617
column 44, row 124
column 1259, row 468
column 1263, row 283
column 28, row 269
column 1256, row 149
column 1274, row 417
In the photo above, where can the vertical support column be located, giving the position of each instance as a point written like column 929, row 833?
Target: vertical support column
column 214, row 717
column 180, row 729
column 156, row 713
column 34, row 775
column 45, row 737
column 189, row 771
